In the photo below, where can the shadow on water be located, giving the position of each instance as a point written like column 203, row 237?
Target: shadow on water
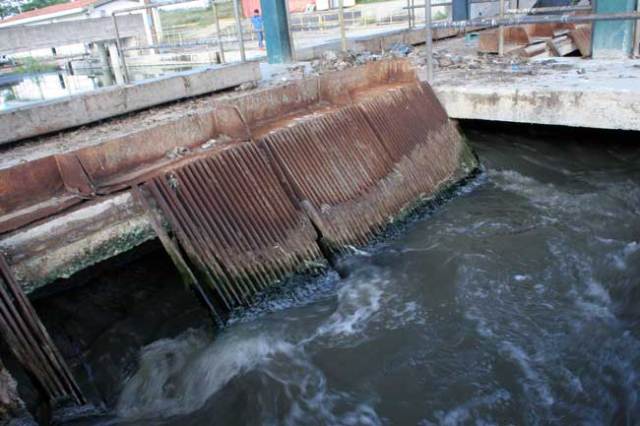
column 515, row 302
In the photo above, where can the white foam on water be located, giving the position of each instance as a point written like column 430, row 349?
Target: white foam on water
column 177, row 376
column 358, row 252
column 465, row 413
column 621, row 258
column 544, row 195
column 588, row 293
column 308, row 397
column 533, row 379
column 405, row 314
column 358, row 300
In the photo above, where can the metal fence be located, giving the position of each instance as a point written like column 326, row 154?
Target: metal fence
column 218, row 33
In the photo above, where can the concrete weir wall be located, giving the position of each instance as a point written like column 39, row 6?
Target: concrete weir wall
column 257, row 186
column 84, row 108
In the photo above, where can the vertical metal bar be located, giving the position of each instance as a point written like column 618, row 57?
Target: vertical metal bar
column 25, row 316
column 636, row 39
column 413, row 14
column 343, row 36
column 501, row 31
column 174, row 253
column 236, row 15
column 119, row 47
column 429, row 39
column 409, row 13
column 291, row 41
column 218, row 34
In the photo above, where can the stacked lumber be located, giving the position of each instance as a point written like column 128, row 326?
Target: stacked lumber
column 581, row 36
column 514, row 37
column 539, row 40
column 562, row 45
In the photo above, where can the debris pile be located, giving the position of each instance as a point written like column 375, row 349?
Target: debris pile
column 539, row 40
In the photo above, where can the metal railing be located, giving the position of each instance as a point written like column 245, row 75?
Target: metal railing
column 218, row 41
column 528, row 19
column 506, row 17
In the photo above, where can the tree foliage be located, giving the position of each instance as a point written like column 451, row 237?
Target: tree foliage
column 7, row 9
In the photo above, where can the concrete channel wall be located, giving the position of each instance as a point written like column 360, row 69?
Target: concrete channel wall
column 316, row 161
column 77, row 110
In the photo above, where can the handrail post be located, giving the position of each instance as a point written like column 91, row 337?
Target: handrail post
column 636, row 42
column 291, row 41
column 119, row 48
column 501, row 31
column 218, row 33
column 236, row 15
column 343, row 36
column 429, row 39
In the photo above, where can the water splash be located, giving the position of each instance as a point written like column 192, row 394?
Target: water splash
column 177, row 376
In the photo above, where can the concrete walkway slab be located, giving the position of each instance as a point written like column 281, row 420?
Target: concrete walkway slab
column 77, row 110
column 565, row 91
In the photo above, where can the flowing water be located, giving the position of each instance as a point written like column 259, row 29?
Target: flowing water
column 517, row 302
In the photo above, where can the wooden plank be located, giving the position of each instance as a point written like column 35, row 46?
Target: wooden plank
column 562, row 46
column 547, row 29
column 514, row 37
column 535, row 50
column 581, row 36
column 558, row 33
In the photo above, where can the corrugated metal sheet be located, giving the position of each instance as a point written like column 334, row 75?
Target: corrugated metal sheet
column 235, row 222
column 360, row 166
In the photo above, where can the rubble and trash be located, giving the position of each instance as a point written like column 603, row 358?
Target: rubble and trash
column 539, row 40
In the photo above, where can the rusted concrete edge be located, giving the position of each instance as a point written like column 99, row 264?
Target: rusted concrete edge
column 111, row 224
column 86, row 236
column 92, row 233
column 77, row 110
column 600, row 109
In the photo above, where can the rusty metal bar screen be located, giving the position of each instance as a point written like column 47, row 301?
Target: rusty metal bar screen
column 235, row 222
column 360, row 167
column 30, row 343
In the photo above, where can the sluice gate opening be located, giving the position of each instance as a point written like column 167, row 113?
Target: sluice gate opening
column 248, row 192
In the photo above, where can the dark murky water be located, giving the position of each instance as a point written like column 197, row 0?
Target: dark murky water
column 517, row 302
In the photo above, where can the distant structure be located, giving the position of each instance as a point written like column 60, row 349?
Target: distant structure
column 248, row 6
column 79, row 27
column 76, row 9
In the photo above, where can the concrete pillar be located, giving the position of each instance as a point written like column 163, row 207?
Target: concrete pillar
column 99, row 50
column 106, row 78
column 116, row 64
column 460, row 10
column 276, row 31
column 148, row 23
column 613, row 39
column 157, row 24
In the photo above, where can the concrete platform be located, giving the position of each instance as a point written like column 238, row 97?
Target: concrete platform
column 74, row 111
column 576, row 92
